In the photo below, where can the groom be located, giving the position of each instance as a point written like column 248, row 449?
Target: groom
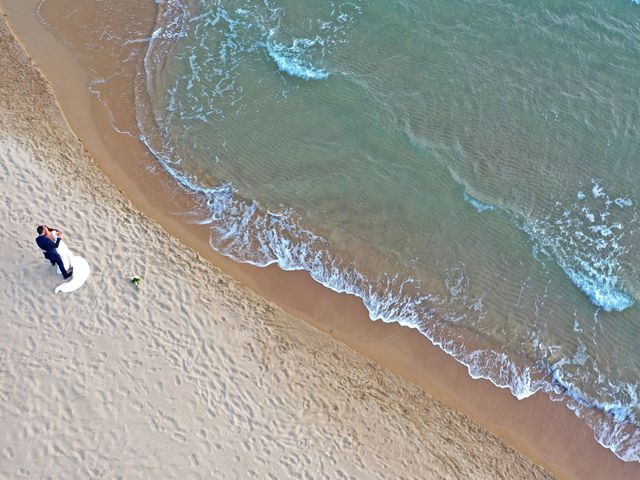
column 46, row 243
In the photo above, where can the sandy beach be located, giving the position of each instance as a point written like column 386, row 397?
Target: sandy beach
column 195, row 374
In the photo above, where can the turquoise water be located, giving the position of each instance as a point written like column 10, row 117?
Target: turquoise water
column 467, row 168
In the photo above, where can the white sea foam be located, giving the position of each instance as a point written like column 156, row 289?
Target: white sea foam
column 589, row 254
column 477, row 204
column 518, row 379
column 618, row 429
column 288, row 60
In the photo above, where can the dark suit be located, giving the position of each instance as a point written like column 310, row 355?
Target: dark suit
column 50, row 252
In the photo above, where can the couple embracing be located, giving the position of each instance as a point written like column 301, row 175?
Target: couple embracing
column 49, row 240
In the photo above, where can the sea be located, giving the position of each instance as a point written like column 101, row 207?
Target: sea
column 467, row 168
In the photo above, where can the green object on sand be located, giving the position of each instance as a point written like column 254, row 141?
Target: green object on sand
column 136, row 280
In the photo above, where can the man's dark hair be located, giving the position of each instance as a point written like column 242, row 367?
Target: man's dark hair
column 40, row 229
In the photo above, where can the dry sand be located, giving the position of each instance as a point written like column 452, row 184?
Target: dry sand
column 192, row 376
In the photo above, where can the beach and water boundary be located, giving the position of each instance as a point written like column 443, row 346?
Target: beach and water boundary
column 380, row 341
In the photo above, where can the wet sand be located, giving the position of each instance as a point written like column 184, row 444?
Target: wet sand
column 545, row 431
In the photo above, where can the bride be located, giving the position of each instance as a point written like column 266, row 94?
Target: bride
column 63, row 251
column 81, row 269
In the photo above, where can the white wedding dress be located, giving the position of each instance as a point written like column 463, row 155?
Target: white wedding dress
column 81, row 269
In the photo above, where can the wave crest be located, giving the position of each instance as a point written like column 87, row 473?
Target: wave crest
column 289, row 60
column 586, row 242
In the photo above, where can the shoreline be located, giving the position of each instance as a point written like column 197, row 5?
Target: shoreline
column 544, row 430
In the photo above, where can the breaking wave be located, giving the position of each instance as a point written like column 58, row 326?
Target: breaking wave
column 477, row 204
column 586, row 241
column 289, row 61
